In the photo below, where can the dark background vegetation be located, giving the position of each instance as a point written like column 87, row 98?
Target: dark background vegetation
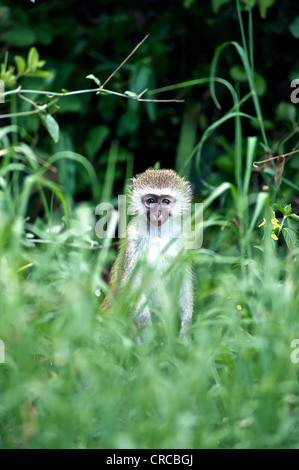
column 79, row 38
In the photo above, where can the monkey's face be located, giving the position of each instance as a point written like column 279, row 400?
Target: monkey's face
column 158, row 208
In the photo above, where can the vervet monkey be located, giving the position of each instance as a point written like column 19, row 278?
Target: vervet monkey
column 158, row 199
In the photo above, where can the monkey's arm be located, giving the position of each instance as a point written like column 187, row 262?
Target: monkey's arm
column 116, row 274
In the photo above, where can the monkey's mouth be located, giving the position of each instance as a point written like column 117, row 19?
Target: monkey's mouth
column 157, row 217
column 158, row 221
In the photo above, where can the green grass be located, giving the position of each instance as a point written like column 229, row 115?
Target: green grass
column 76, row 377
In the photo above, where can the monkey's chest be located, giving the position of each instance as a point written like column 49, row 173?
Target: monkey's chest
column 160, row 252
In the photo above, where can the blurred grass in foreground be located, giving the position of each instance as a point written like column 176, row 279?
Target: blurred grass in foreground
column 74, row 377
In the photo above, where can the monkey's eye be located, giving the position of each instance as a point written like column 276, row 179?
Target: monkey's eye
column 166, row 201
column 151, row 200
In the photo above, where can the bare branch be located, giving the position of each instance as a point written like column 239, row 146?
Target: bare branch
column 163, row 101
column 100, row 90
column 126, row 59
column 256, row 164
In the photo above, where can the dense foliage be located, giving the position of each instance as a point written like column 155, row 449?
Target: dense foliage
column 71, row 375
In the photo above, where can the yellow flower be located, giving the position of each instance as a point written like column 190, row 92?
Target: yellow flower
column 275, row 225
column 239, row 307
column 274, row 222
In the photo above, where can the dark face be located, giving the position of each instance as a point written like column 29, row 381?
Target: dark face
column 158, row 207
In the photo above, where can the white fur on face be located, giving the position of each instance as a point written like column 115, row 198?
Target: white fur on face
column 181, row 201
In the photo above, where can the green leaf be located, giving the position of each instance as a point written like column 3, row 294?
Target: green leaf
column 33, row 59
column 291, row 237
column 188, row 3
column 8, row 76
column 294, row 27
column 95, row 79
column 237, row 72
column 51, row 125
column 268, row 125
column 279, row 208
column 286, row 112
column 260, row 84
column 21, row 65
column 288, row 209
column 53, row 128
column 131, row 94
column 20, row 37
column 264, row 5
column 217, row 4
column 284, row 210
column 294, row 216
column 39, row 74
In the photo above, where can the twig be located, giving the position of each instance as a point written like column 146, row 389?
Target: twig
column 76, row 92
column 100, row 90
column 38, row 108
column 163, row 101
column 256, row 164
column 124, row 61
